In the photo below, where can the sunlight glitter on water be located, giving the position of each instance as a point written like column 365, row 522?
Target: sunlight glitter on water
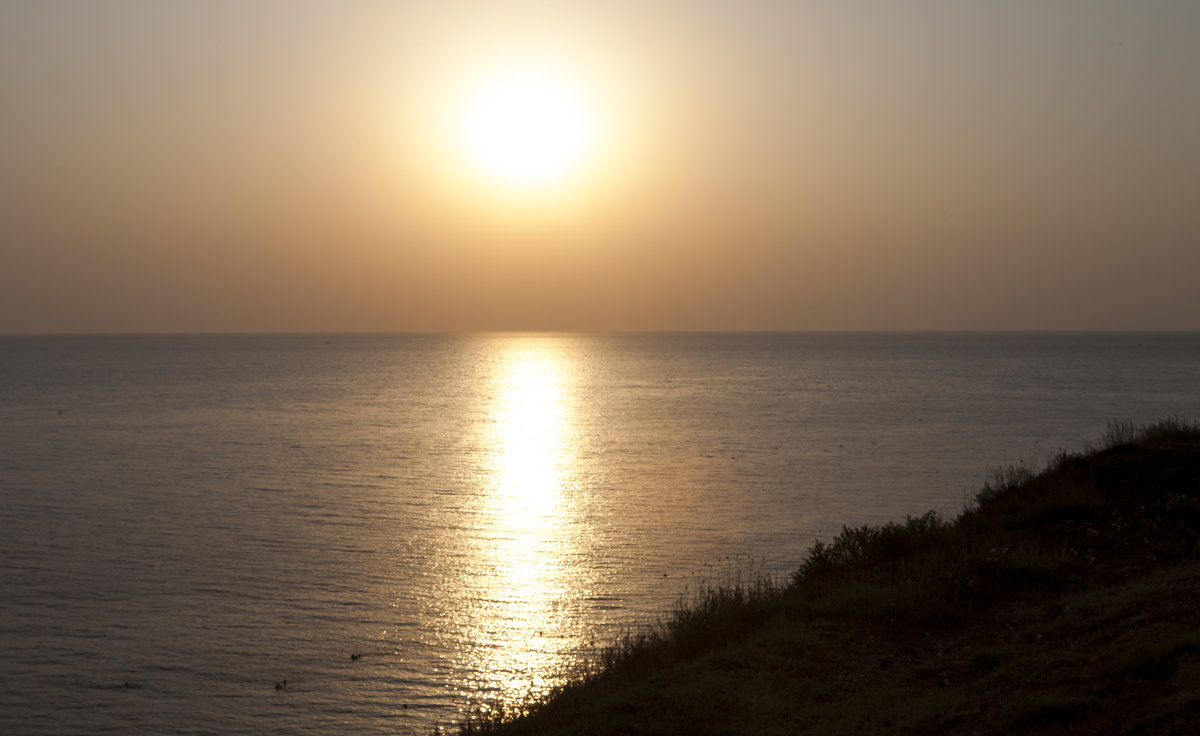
column 526, row 544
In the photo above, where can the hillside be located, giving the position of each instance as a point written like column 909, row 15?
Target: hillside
column 1060, row 602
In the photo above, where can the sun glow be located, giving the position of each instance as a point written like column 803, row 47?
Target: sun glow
column 527, row 127
column 513, row 136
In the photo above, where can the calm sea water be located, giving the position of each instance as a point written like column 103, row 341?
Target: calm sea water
column 403, row 526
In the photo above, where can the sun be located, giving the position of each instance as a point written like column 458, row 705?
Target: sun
column 527, row 127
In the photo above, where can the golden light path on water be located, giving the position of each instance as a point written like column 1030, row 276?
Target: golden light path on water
column 528, row 533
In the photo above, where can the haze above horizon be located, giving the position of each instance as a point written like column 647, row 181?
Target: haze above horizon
column 376, row 166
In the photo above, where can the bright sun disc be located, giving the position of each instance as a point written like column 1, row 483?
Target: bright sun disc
column 526, row 128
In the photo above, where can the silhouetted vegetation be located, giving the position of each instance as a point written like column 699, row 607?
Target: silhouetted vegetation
column 1059, row 601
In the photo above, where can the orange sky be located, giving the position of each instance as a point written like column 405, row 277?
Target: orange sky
column 291, row 166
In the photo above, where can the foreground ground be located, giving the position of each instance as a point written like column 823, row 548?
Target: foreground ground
column 1064, row 602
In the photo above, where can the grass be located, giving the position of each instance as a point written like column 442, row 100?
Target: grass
column 1060, row 601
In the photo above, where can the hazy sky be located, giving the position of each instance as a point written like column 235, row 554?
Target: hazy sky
column 276, row 165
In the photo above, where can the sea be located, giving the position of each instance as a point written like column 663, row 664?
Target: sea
column 377, row 534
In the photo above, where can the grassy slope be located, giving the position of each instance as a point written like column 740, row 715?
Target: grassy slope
column 1063, row 602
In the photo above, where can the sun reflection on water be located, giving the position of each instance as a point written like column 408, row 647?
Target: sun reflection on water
column 521, row 627
column 530, row 421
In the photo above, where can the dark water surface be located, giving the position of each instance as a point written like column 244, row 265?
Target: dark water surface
column 401, row 526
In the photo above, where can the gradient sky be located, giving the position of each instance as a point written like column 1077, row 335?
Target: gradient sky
column 276, row 165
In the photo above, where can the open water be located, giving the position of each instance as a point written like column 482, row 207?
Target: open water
column 404, row 526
